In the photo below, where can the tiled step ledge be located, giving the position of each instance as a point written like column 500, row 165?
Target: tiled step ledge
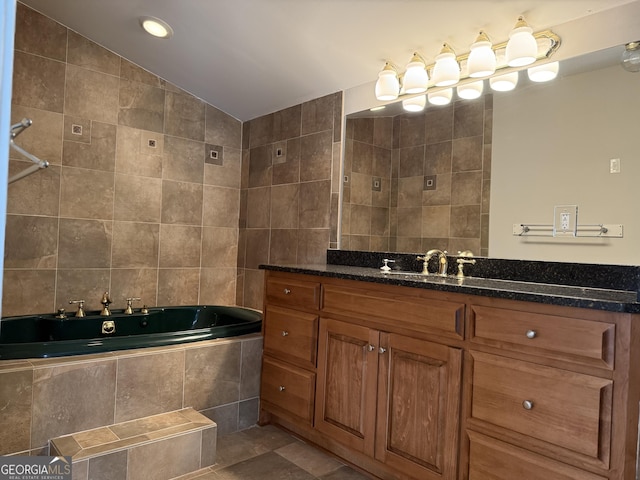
column 149, row 439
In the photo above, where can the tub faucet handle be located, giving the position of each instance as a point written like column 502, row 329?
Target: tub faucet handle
column 106, row 301
column 129, row 309
column 80, row 312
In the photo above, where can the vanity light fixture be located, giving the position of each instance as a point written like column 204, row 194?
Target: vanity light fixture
column 498, row 62
column 415, row 104
column 156, row 27
column 631, row 57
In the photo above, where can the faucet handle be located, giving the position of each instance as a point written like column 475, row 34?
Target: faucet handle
column 130, row 300
column 80, row 311
column 386, row 268
column 106, row 299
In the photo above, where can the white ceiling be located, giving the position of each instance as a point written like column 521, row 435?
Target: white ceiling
column 253, row 57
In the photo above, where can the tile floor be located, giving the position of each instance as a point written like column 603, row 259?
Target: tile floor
column 269, row 453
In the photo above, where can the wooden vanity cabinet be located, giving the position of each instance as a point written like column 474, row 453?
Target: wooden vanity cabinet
column 414, row 384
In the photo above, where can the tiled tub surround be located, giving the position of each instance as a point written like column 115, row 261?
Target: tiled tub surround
column 132, row 202
column 433, row 171
column 47, row 398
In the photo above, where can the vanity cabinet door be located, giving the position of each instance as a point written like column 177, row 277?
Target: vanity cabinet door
column 346, row 386
column 418, row 406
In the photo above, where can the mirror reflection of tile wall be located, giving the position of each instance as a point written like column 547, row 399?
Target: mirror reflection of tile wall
column 419, row 181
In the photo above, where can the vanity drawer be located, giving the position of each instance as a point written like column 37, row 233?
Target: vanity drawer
column 574, row 339
column 491, row 459
column 287, row 390
column 439, row 317
column 291, row 335
column 560, row 407
column 287, row 292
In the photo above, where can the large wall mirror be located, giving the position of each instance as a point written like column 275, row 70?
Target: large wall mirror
column 459, row 177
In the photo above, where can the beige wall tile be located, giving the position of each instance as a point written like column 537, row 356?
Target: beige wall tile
column 315, row 155
column 227, row 174
column 220, row 207
column 467, row 154
column 32, row 76
column 289, row 170
column 212, row 375
column 137, row 199
column 439, row 124
column 31, row 242
column 107, row 467
column 259, row 207
column 51, row 41
column 315, row 204
column 218, row 286
column 260, row 168
column 251, row 361
column 18, row 292
column 84, row 243
column 437, row 158
column 16, row 389
column 466, row 188
column 435, row 221
column 317, row 115
column 312, row 245
column 283, row 247
column 98, row 153
column 360, row 220
column 181, row 202
column 468, row 118
column 253, row 288
column 87, row 54
column 141, row 106
column 222, row 129
column 184, row 116
column 257, row 249
column 360, row 190
column 178, row 286
column 148, row 385
column 219, row 247
column 284, row 206
column 91, row 95
column 86, row 193
column 183, row 160
column 77, row 388
column 287, row 123
column 135, row 245
column 180, row 246
column 131, row 71
column 134, row 155
column 465, row 221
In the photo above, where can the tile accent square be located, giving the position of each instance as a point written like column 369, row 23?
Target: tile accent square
column 213, row 154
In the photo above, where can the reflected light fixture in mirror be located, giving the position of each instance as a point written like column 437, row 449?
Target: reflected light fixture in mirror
column 504, row 83
column 543, row 73
column 470, row 91
column 631, row 57
column 156, row 27
column 415, row 104
column 441, row 97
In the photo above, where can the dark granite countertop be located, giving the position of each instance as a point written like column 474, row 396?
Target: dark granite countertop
column 554, row 294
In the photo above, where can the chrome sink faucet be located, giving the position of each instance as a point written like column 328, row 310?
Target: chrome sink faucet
column 443, row 262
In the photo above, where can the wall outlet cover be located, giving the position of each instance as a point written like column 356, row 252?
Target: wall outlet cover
column 565, row 220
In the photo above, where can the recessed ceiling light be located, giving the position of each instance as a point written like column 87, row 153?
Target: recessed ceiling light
column 156, row 27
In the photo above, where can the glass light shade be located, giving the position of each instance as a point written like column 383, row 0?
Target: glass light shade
column 388, row 85
column 156, row 27
column 504, row 83
column 416, row 77
column 631, row 57
column 482, row 58
column 446, row 71
column 522, row 48
column 441, row 97
column 543, row 73
column 415, row 104
column 471, row 90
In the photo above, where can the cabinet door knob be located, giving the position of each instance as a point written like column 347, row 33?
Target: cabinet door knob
column 382, row 350
column 287, row 291
column 284, row 333
column 371, row 347
column 527, row 405
column 531, row 334
column 281, row 388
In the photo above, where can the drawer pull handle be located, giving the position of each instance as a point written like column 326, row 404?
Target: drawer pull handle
column 381, row 350
column 287, row 291
column 527, row 405
column 532, row 334
column 284, row 333
column 281, row 388
column 371, row 347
